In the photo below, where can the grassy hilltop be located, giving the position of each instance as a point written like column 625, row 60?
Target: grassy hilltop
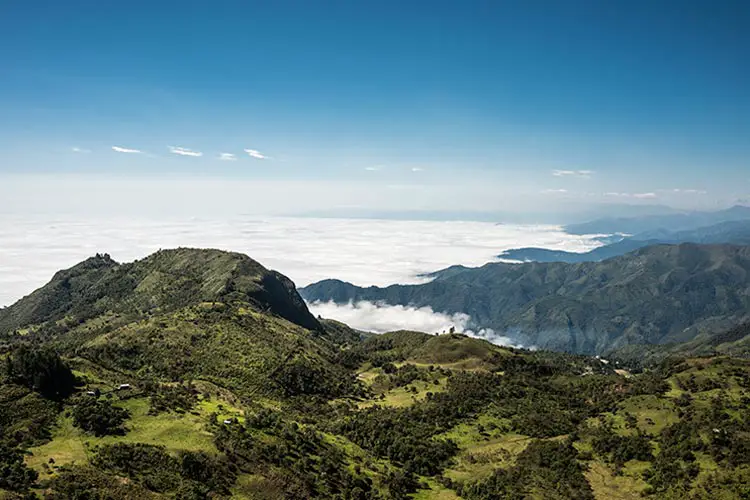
column 236, row 391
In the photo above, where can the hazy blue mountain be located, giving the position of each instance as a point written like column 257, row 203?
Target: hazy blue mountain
column 733, row 232
column 535, row 254
column 670, row 222
column 656, row 294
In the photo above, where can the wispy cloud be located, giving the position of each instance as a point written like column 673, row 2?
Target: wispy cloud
column 552, row 191
column 683, row 191
column 254, row 153
column 573, row 173
column 374, row 168
column 227, row 157
column 417, row 169
column 184, row 151
column 119, row 149
column 80, row 150
column 631, row 195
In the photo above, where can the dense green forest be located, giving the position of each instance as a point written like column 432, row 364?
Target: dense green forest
column 112, row 390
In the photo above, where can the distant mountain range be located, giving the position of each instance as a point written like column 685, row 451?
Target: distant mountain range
column 657, row 294
column 733, row 232
column 659, row 222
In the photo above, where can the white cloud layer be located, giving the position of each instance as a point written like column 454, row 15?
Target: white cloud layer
column 364, row 252
column 684, row 191
column 572, row 173
column 76, row 149
column 381, row 318
column 554, row 191
column 119, row 149
column 254, row 153
column 227, row 157
column 638, row 196
column 184, row 151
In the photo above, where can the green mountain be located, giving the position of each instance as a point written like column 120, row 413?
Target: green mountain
column 206, row 314
column 163, row 282
column 732, row 232
column 196, row 374
column 654, row 295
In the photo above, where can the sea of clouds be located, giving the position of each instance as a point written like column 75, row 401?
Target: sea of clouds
column 364, row 252
column 381, row 318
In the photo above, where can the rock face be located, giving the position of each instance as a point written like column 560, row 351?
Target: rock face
column 165, row 281
column 657, row 294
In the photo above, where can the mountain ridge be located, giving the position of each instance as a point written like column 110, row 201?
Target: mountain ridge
column 168, row 279
column 653, row 295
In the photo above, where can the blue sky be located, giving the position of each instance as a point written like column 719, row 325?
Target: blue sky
column 534, row 101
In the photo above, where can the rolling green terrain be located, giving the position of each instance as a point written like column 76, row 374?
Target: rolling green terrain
column 655, row 295
column 235, row 391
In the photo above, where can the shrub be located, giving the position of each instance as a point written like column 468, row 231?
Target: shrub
column 41, row 370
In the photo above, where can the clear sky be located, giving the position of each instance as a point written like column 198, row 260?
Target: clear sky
column 466, row 105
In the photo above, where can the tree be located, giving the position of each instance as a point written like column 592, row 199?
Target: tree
column 14, row 475
column 40, row 369
column 100, row 417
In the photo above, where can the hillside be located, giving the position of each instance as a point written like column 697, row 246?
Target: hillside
column 654, row 295
column 732, row 342
column 114, row 389
column 207, row 314
column 732, row 232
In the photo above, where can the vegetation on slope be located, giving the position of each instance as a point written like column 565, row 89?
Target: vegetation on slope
column 227, row 399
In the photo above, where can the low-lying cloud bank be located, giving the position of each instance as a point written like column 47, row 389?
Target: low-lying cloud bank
column 381, row 318
column 365, row 252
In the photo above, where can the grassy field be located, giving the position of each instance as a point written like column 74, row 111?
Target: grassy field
column 607, row 486
column 172, row 430
column 435, row 492
column 653, row 413
column 485, row 444
column 404, row 396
